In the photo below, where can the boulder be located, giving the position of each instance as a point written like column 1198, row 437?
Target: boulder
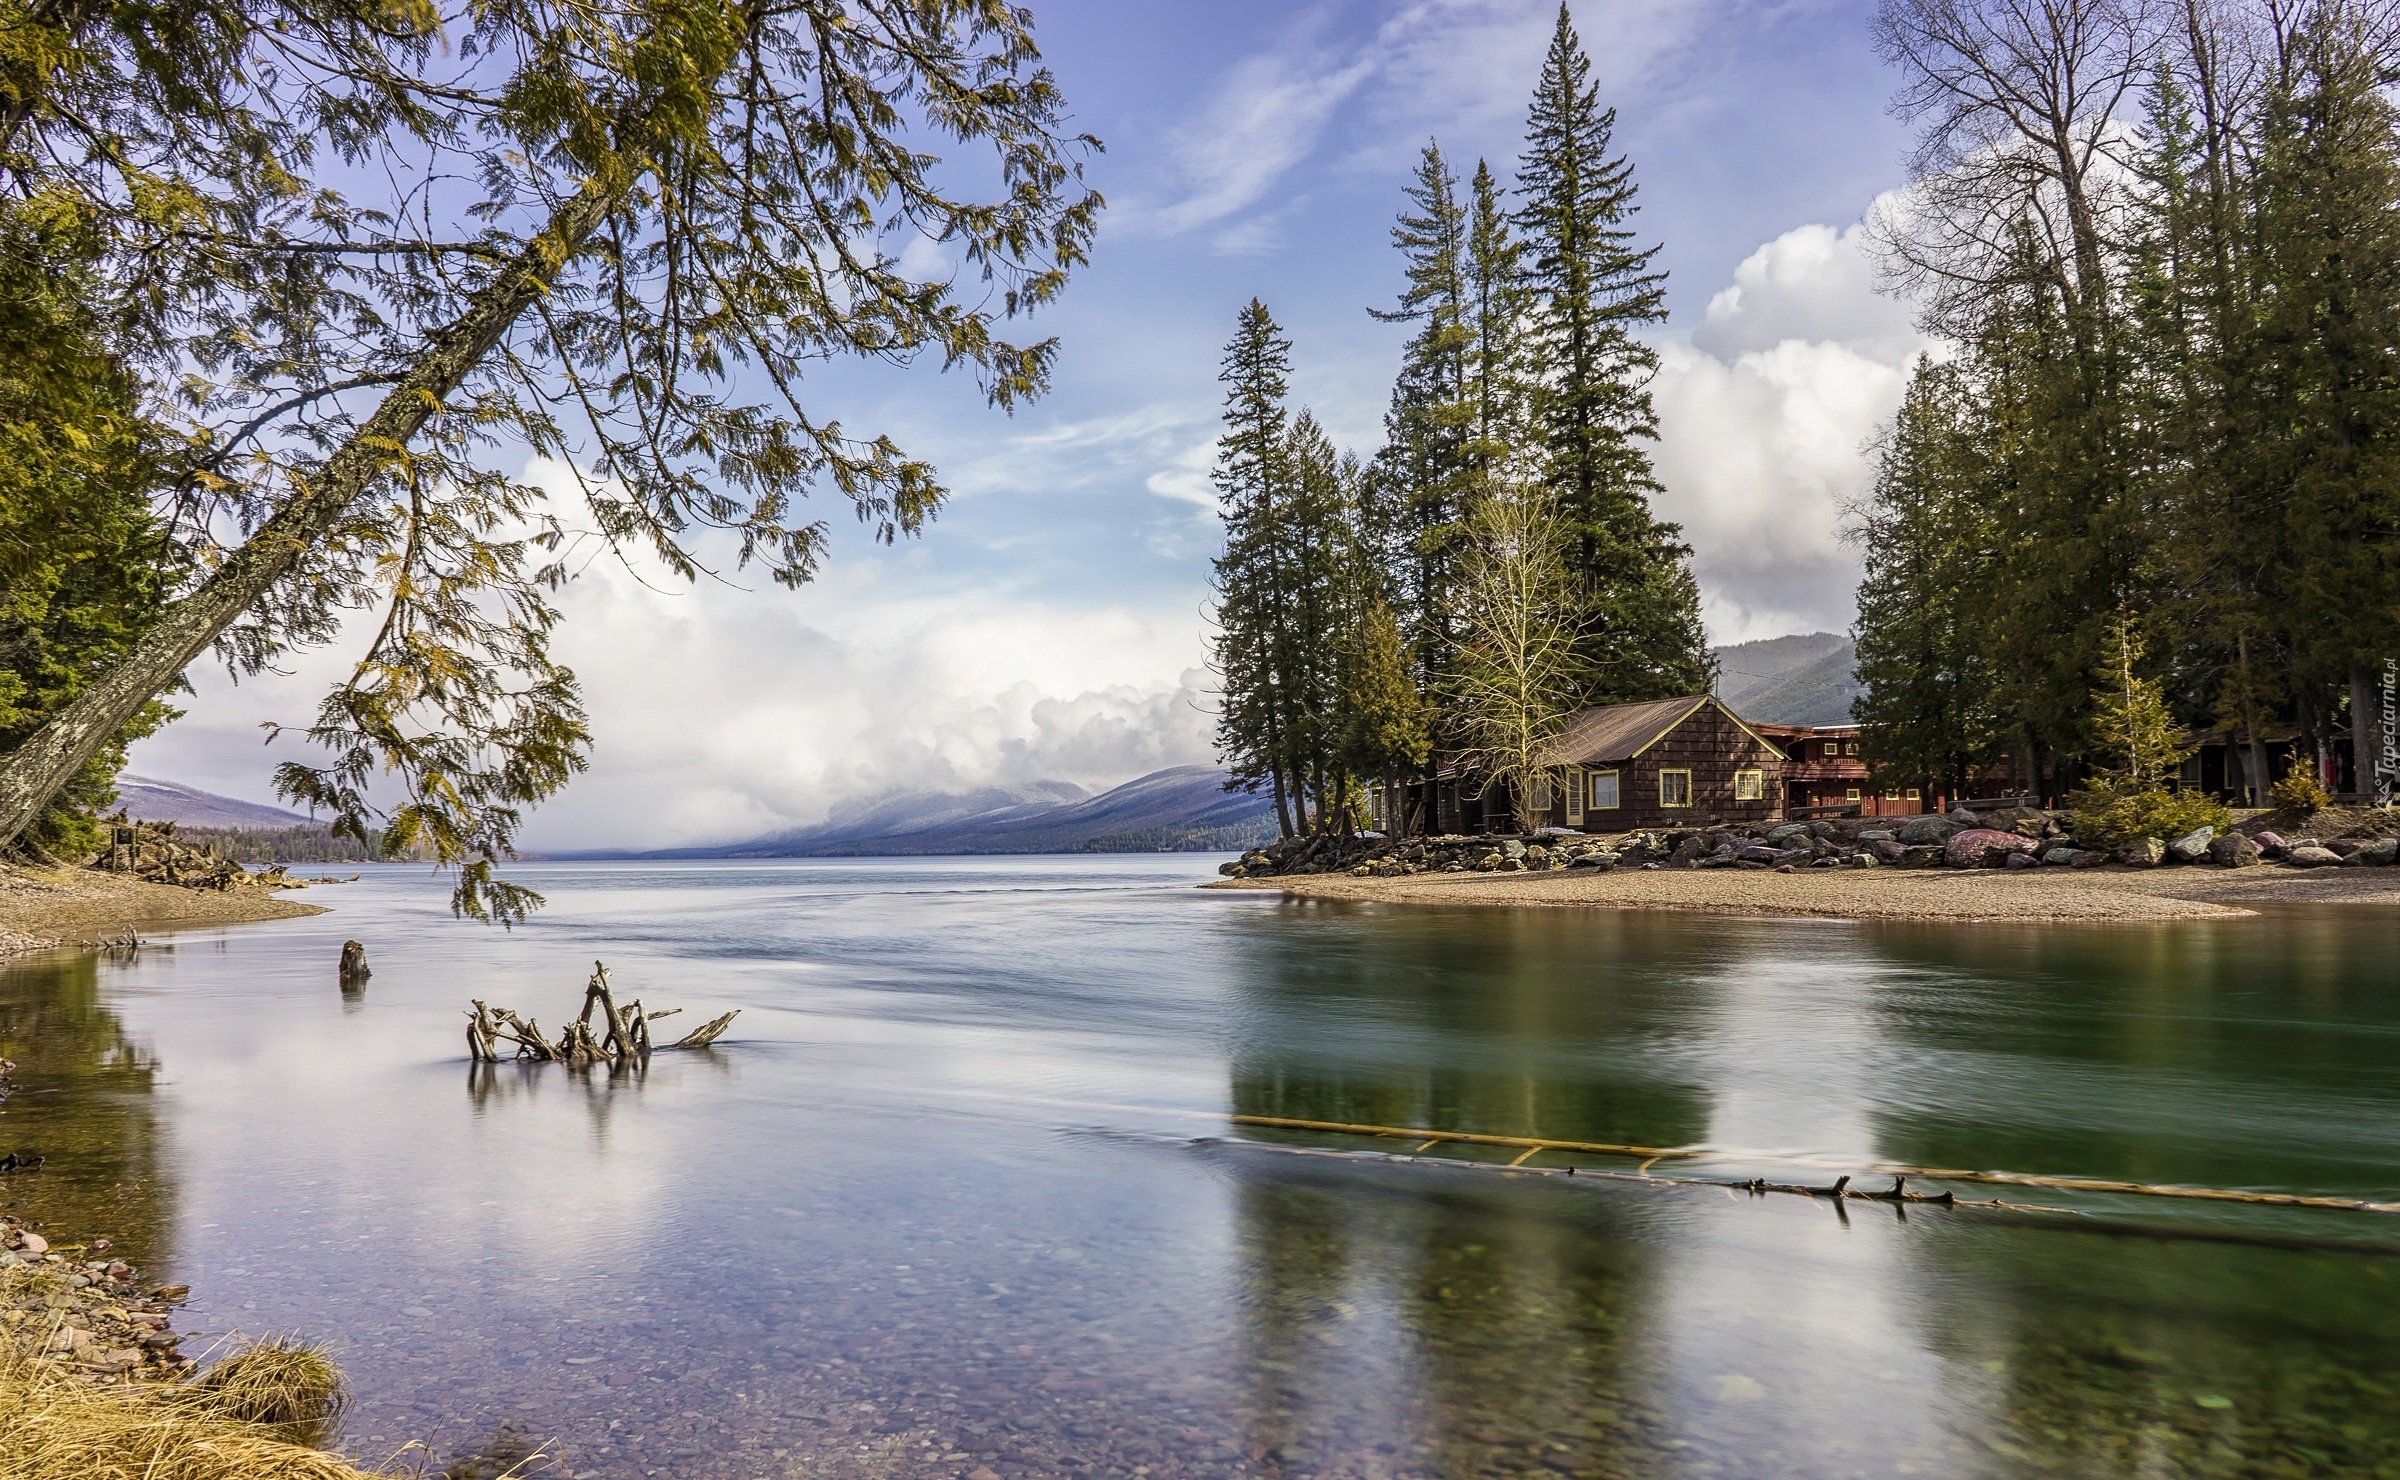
column 1787, row 831
column 1963, row 817
column 2311, row 857
column 1512, row 849
column 2232, row 850
column 1889, row 850
column 1687, row 853
column 2087, row 858
column 1877, row 835
column 2059, row 857
column 1919, row 831
column 1598, row 858
column 1921, row 855
column 2375, row 853
column 2269, row 844
column 2141, row 852
column 1760, row 853
column 1984, row 847
column 2021, row 860
column 2192, row 847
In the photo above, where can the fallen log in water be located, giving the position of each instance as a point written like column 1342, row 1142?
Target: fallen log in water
column 624, row 1031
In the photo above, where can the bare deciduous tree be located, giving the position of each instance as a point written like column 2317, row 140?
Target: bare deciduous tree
column 2024, row 158
column 1517, row 672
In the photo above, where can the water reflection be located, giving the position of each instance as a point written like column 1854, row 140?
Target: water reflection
column 86, row 1100
column 1535, row 1024
column 875, row 1236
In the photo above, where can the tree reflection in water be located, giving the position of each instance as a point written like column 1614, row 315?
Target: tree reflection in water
column 86, row 1100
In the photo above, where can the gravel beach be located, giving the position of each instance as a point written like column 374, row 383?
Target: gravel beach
column 1875, row 894
column 81, row 906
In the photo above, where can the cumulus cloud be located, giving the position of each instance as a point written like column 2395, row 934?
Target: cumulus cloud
column 1764, row 419
column 721, row 713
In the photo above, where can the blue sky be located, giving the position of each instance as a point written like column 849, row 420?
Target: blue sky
column 1052, row 622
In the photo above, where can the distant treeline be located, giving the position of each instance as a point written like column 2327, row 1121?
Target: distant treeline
column 1240, row 837
column 307, row 843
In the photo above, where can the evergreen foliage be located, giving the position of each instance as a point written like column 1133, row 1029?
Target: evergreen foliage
column 676, row 213
column 83, row 562
column 2173, row 387
column 1590, row 290
column 1522, row 395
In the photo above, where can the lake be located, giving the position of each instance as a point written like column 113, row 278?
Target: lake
column 955, row 1192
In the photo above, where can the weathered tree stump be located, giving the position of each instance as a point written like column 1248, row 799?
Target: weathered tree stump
column 354, row 972
column 623, row 1035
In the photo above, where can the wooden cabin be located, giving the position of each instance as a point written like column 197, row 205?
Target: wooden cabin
column 1665, row 763
column 1824, row 775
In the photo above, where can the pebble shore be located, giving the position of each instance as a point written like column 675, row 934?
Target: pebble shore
column 76, row 1305
column 2103, row 894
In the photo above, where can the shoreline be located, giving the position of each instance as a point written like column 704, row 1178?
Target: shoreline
column 2126, row 895
column 45, row 909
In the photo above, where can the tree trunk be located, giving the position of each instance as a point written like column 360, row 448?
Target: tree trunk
column 2366, row 733
column 33, row 773
column 2259, row 779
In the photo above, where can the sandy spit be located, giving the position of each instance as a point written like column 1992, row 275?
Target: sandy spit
column 80, row 906
column 1876, row 894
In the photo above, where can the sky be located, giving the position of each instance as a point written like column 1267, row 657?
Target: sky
column 1052, row 623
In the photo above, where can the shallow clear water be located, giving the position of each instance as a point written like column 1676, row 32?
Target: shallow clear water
column 933, row 1207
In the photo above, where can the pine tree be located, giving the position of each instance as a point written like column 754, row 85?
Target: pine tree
column 1387, row 732
column 1252, row 479
column 1926, row 540
column 1420, row 478
column 1592, row 289
column 2329, row 224
column 1503, row 441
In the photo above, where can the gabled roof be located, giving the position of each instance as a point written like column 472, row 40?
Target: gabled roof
column 1619, row 732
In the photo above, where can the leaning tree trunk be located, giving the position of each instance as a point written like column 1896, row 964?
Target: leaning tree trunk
column 33, row 773
column 2366, row 733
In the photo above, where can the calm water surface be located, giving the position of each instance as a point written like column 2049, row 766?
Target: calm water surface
column 933, row 1206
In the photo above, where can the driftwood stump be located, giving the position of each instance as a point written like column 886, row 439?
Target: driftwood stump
column 353, row 969
column 623, row 1033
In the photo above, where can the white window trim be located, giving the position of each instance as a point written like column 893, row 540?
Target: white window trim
column 1663, row 774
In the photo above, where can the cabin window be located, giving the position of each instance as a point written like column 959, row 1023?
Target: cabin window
column 1674, row 788
column 1749, row 786
column 1601, row 788
column 1851, row 795
column 1892, row 794
column 1912, row 795
column 1541, row 791
column 1574, row 789
column 1851, row 748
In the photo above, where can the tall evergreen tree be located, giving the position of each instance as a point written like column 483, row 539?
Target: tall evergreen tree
column 1252, row 479
column 1927, row 544
column 1420, row 478
column 1592, row 289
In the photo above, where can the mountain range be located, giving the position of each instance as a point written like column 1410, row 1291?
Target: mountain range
column 1808, row 679
column 152, row 800
column 1181, row 809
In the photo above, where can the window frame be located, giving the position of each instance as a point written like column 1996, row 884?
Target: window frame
column 1851, row 795
column 1750, row 784
column 1573, row 788
column 1616, row 791
column 1663, row 774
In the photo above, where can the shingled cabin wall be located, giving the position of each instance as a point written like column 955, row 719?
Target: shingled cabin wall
column 1712, row 747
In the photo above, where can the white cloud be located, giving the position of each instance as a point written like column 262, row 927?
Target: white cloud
column 1462, row 69
column 1764, row 417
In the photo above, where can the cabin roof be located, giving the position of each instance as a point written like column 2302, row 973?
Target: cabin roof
column 1620, row 732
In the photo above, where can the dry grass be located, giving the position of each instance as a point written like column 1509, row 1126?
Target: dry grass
column 55, row 1426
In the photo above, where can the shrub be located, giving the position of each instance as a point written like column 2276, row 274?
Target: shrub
column 2299, row 790
column 2113, row 809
